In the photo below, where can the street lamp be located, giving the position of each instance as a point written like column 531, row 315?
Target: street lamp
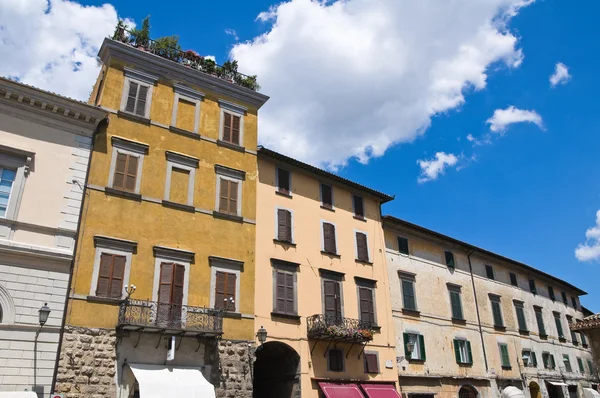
column 44, row 312
column 262, row 335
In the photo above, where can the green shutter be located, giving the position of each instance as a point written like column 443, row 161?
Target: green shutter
column 497, row 313
column 406, row 352
column 580, row 364
column 449, row 259
column 552, row 363
column 456, row 305
column 457, row 351
column 422, row 346
column 505, row 360
column 583, row 339
column 521, row 317
column 533, row 359
column 408, row 294
column 559, row 328
column 470, row 359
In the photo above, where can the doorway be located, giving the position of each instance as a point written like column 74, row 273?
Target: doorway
column 534, row 390
column 276, row 371
column 467, row 392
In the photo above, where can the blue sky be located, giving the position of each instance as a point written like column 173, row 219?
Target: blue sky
column 531, row 194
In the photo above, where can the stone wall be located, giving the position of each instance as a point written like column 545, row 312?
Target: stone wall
column 86, row 366
column 233, row 376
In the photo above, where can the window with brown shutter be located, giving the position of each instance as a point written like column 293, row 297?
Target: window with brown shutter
column 359, row 210
column 367, row 310
column 284, row 225
column 110, row 275
column 228, row 196
column 371, row 362
column 283, row 181
column 362, row 251
column 170, row 294
column 285, row 295
column 335, row 360
column 231, row 128
column 137, row 98
column 333, row 301
column 329, row 245
column 126, row 167
column 225, row 286
column 326, row 196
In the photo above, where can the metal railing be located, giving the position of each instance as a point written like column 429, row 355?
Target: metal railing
column 189, row 58
column 156, row 315
column 339, row 328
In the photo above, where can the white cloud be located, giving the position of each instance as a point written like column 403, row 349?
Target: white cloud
column 233, row 33
column 53, row 44
column 502, row 118
column 561, row 75
column 590, row 250
column 351, row 78
column 486, row 139
column 432, row 168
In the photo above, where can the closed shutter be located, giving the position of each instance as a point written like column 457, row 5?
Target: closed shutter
column 326, row 196
column 359, row 210
column 140, row 106
column 230, row 287
column 103, row 286
column 110, row 275
column 456, row 305
column 283, row 180
column 497, row 313
column 551, row 293
column 521, row 317
column 457, row 351
column 504, row 356
column 540, row 321
column 408, row 295
column 372, row 365
column 132, row 166
column 332, row 299
column 336, row 360
column 559, row 328
column 552, row 363
column 564, row 298
column 402, row 245
column 366, row 305
column 126, row 167
column 580, row 365
column 290, row 295
column 574, row 338
column 449, row 259
column 178, row 282
column 233, row 197
column 583, row 339
column 422, row 347
column 118, row 272
column 361, row 247
column 131, row 97
column 227, row 127
column 532, row 286
column 329, row 238
column 166, row 280
column 469, row 353
column 120, row 167
column 224, row 196
column 235, row 130
column 406, row 339
column 284, row 295
column 221, row 278
column 284, row 225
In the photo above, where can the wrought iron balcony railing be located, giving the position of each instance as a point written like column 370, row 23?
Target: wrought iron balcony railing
column 141, row 314
column 338, row 328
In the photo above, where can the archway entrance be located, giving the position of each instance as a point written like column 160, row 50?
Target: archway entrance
column 534, row 390
column 467, row 392
column 276, row 371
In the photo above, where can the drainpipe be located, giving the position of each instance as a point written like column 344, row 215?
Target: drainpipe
column 477, row 311
column 72, row 268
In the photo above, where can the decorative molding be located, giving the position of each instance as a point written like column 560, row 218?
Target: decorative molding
column 47, row 253
column 365, row 282
column 139, row 75
column 329, row 274
column 229, row 172
column 188, row 92
column 180, row 158
column 115, row 243
column 230, row 106
column 174, row 254
column 134, row 146
column 220, row 261
column 275, row 262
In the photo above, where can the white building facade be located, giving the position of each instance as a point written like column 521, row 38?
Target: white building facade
column 472, row 323
column 44, row 153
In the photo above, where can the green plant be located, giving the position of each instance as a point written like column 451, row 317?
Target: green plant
column 141, row 37
column 209, row 66
column 167, row 47
column 119, row 33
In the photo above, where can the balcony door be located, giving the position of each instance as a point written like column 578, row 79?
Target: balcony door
column 333, row 302
column 170, row 295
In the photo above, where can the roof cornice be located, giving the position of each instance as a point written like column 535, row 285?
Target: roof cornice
column 170, row 70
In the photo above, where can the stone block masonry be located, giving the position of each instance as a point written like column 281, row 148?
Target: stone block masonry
column 233, row 375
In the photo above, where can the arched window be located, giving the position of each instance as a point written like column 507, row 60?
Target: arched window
column 7, row 307
column 467, row 392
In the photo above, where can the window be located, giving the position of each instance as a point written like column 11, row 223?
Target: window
column 14, row 169
column 137, row 92
column 225, row 283
column 170, row 291
column 329, row 238
column 366, row 300
column 371, row 360
column 489, row 272
column 407, row 282
column 462, row 352
column 7, row 178
column 332, row 296
column 403, row 245
column 513, row 279
column 504, row 357
column 358, row 206
column 284, row 226
column 112, row 266
column 574, row 302
column 564, row 298
column 583, row 339
column 181, row 174
column 362, row 247
column 551, row 293
column 532, row 288
column 591, row 366
column 229, row 190
column 573, row 333
column 455, row 302
column 225, row 290
column 559, row 328
column 449, row 259
column 580, row 365
column 529, row 358
column 326, row 196
column 126, row 164
column 283, row 181
column 232, row 123
column 335, row 360
column 567, row 362
column 285, row 292
column 496, row 311
column 414, row 346
column 520, row 310
column 548, row 360
column 186, row 108
column 539, row 317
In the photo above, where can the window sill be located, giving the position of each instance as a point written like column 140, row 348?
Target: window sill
column 180, row 206
column 360, row 218
column 459, row 321
column 465, row 364
column 524, row 332
column 543, row 336
column 184, row 132
column 562, row 340
column 225, row 216
column 376, row 329
column 576, row 344
column 499, row 328
column 124, row 194
column 584, row 345
column 230, row 145
column 105, row 300
column 325, row 253
column 415, row 360
column 506, row 367
column 366, row 262
column 232, row 315
column 284, row 194
column 330, row 208
column 135, row 118
column 284, row 242
column 286, row 316
column 410, row 312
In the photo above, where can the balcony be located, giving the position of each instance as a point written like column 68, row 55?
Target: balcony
column 324, row 327
column 138, row 315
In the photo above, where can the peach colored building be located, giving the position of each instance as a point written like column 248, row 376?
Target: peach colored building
column 321, row 282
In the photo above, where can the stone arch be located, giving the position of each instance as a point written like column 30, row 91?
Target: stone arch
column 276, row 371
column 467, row 391
column 534, row 390
column 7, row 307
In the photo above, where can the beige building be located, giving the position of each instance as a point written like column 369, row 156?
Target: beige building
column 472, row 323
column 44, row 151
column 321, row 285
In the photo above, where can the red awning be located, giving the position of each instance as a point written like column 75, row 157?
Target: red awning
column 333, row 390
column 380, row 390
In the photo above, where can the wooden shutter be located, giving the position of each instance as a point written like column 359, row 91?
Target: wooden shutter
column 227, row 127
column 402, row 245
column 131, row 97
column 456, row 305
column 336, row 360
column 103, row 286
column 372, row 365
column 366, row 305
column 178, row 282
column 497, row 313
column 457, row 351
column 120, row 168
column 521, row 317
column 110, row 275
column 533, row 359
column 532, row 288
column 285, row 296
column 540, row 321
column 505, row 360
column 359, row 210
column 166, row 280
column 326, row 196
column 283, row 181
column 469, row 353
column 580, row 365
column 126, row 167
column 422, row 347
column 564, row 298
column 117, row 275
column 329, row 238
column 132, row 167
column 408, row 294
column 552, row 363
column 361, row 247
column 489, row 271
column 332, row 299
column 230, row 286
column 290, row 295
column 235, row 129
column 449, row 259
column 284, row 225
column 221, row 279
column 233, row 197
column 140, row 107
column 224, row 196
column 406, row 339
column 559, row 328
column 551, row 293
column 513, row 279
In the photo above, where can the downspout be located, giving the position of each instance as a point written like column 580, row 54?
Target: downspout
column 477, row 311
column 72, row 268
